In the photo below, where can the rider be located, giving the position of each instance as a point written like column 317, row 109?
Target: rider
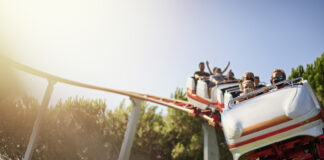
column 230, row 76
column 215, row 68
column 257, row 83
column 248, row 76
column 278, row 75
column 201, row 74
column 247, row 87
column 217, row 77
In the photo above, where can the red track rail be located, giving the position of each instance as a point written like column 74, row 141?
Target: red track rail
column 172, row 103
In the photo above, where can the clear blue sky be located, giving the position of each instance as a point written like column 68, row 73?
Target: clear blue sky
column 153, row 46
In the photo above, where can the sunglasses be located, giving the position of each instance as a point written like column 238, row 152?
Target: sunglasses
column 279, row 78
column 250, row 78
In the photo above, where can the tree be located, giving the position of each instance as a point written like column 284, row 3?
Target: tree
column 183, row 132
column 314, row 73
column 82, row 128
column 189, row 135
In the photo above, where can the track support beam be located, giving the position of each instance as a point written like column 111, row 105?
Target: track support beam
column 131, row 130
column 33, row 137
column 211, row 150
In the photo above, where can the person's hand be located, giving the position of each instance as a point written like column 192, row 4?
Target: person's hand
column 266, row 90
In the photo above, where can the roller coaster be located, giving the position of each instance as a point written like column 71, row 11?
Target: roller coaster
column 283, row 123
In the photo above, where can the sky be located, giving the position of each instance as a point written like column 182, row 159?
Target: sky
column 154, row 46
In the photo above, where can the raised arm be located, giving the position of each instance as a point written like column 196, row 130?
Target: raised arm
column 226, row 67
column 207, row 64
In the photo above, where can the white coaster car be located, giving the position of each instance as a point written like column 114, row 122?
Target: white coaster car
column 203, row 97
column 271, row 117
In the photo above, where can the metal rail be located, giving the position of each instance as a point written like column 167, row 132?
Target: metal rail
column 172, row 103
column 129, row 135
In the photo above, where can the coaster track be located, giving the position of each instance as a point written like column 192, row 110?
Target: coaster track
column 206, row 115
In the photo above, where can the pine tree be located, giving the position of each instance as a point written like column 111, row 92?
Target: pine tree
column 314, row 73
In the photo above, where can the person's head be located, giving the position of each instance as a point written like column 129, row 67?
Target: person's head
column 256, row 80
column 278, row 75
column 247, row 86
column 201, row 66
column 230, row 74
column 218, row 71
column 248, row 76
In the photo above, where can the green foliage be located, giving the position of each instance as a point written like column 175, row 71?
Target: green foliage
column 17, row 114
column 148, row 142
column 84, row 129
column 16, row 122
column 183, row 132
column 189, row 134
column 314, row 73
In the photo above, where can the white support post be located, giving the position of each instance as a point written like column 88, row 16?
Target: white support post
column 211, row 150
column 131, row 130
column 33, row 136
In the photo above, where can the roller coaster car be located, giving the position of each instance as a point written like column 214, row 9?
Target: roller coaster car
column 280, row 124
column 207, row 98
